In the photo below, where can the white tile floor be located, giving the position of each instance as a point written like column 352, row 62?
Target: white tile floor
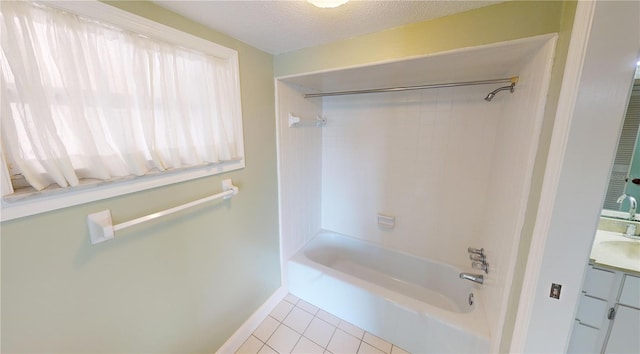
column 296, row 326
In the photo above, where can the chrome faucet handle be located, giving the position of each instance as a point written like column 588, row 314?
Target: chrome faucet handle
column 476, row 278
column 478, row 257
column 479, row 251
column 481, row 266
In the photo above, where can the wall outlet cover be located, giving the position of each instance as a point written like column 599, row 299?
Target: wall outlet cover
column 555, row 291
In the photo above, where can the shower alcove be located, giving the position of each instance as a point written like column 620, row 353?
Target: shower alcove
column 452, row 169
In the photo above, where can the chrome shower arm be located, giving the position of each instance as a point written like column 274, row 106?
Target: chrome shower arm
column 492, row 94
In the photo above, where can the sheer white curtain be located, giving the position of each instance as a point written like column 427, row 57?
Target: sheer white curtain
column 82, row 99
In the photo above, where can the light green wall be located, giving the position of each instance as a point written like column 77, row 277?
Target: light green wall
column 497, row 23
column 181, row 284
column 185, row 283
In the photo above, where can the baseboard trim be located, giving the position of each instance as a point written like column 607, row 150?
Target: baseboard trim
column 251, row 324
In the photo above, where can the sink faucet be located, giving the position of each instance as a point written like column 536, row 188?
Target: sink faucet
column 632, row 205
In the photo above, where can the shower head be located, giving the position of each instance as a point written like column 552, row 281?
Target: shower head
column 492, row 94
column 489, row 96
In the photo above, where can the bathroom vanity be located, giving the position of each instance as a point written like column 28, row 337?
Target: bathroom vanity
column 608, row 315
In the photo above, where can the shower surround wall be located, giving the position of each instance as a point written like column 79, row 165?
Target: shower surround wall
column 421, row 156
column 452, row 168
column 299, row 170
column 508, row 190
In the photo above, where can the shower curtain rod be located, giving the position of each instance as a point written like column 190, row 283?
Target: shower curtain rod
column 510, row 80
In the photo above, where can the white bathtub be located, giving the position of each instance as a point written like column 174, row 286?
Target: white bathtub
column 417, row 304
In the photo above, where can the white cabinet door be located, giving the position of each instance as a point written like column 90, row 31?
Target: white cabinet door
column 592, row 312
column 599, row 283
column 624, row 337
column 583, row 339
column 631, row 291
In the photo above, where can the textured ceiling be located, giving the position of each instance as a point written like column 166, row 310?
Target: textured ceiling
column 282, row 26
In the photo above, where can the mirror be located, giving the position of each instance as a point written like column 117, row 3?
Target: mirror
column 625, row 175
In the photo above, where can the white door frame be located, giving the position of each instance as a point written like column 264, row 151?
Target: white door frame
column 604, row 48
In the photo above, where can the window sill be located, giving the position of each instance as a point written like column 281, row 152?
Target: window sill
column 28, row 202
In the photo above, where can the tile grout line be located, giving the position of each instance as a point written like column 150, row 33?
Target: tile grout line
column 293, row 307
column 332, row 332
column 335, row 329
column 315, row 315
column 284, row 324
column 260, row 340
column 296, row 332
column 351, row 324
column 265, row 344
column 272, row 333
column 373, row 345
column 308, row 324
column 312, row 314
column 298, row 341
column 324, row 347
column 359, row 345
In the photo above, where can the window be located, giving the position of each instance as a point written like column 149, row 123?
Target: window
column 84, row 102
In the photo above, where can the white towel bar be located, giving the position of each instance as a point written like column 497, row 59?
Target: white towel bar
column 101, row 227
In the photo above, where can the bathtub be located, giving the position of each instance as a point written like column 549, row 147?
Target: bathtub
column 420, row 305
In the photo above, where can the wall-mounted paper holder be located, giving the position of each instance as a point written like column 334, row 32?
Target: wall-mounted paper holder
column 101, row 227
column 295, row 121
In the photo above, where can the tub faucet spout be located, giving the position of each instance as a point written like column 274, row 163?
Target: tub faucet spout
column 476, row 278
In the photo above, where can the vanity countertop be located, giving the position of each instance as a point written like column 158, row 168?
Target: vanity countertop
column 612, row 250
